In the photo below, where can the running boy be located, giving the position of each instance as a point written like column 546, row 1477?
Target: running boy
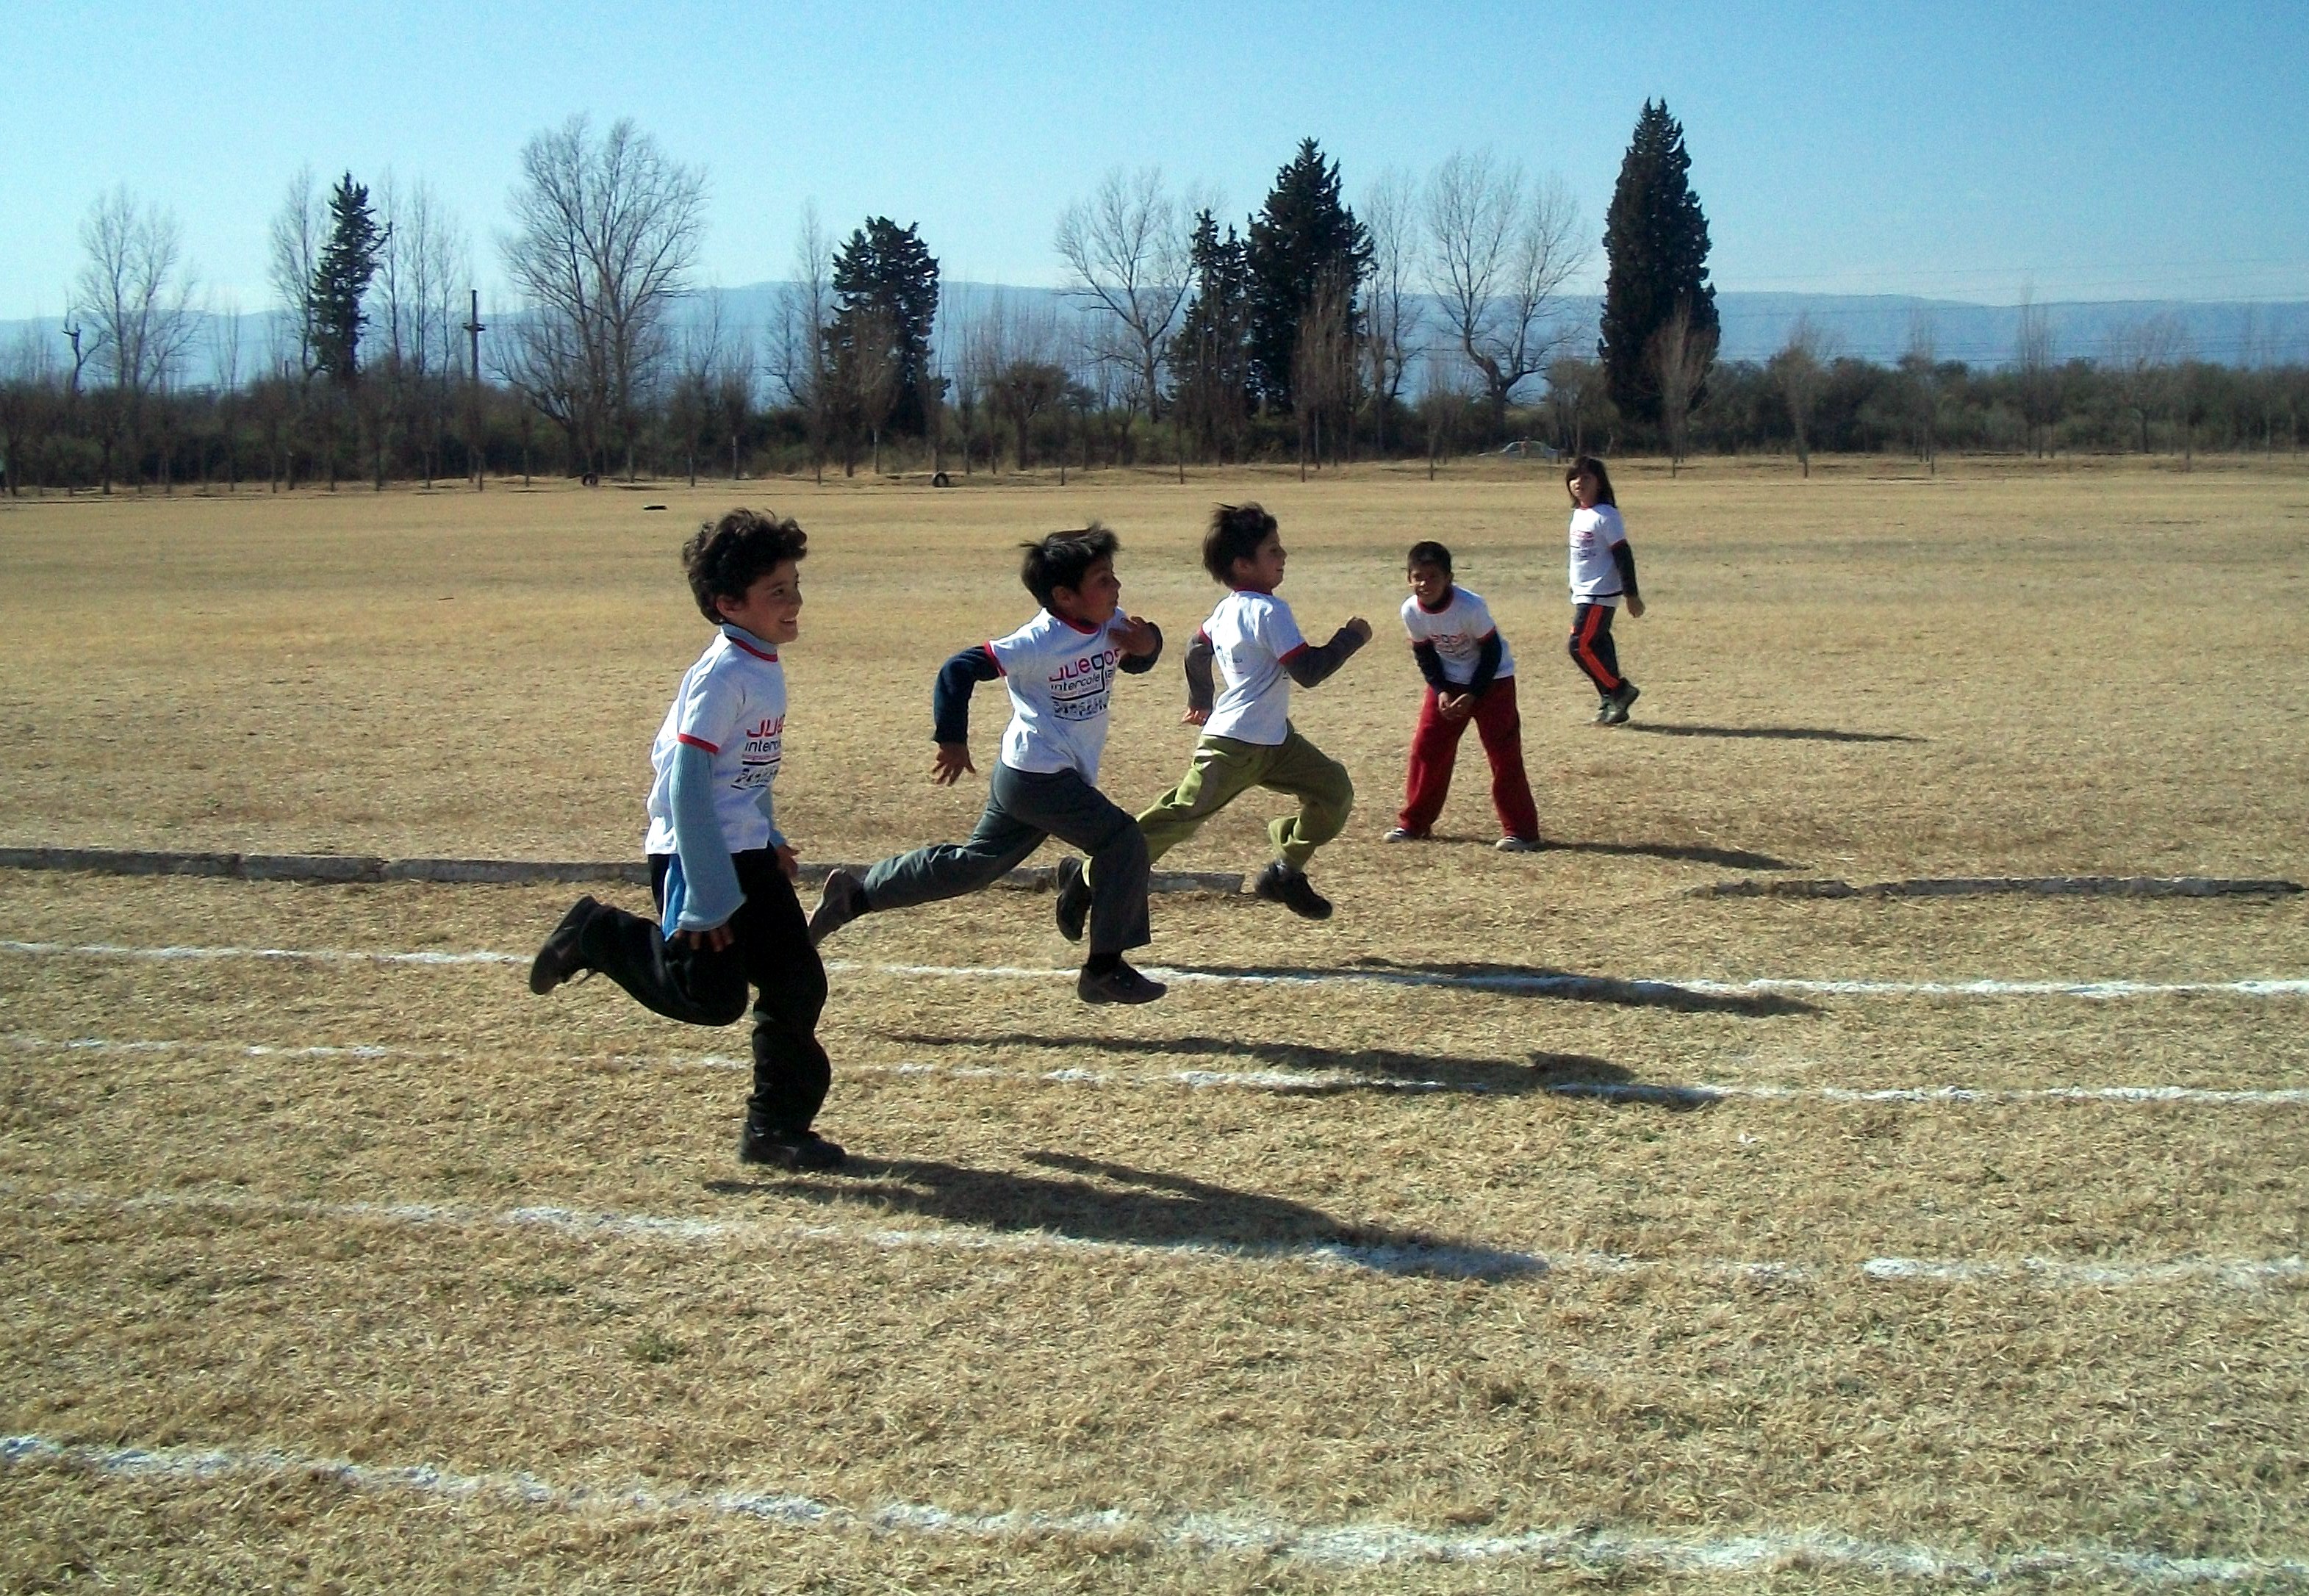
column 1470, row 675
column 721, row 872
column 1060, row 667
column 1602, row 575
column 1248, row 738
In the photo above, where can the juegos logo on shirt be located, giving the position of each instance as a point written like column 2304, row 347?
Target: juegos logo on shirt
column 764, row 746
column 1079, row 688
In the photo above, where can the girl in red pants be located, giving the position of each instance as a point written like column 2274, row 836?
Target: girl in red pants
column 1470, row 676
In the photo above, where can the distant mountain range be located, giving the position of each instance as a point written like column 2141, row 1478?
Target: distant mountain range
column 1875, row 327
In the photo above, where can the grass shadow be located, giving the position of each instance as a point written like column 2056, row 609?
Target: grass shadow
column 1730, row 859
column 1794, row 734
column 1093, row 1201
column 1517, row 980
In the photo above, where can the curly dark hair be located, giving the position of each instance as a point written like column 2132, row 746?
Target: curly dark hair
column 725, row 558
column 1236, row 533
column 1063, row 559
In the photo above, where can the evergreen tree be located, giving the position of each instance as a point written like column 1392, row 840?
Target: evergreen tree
column 1656, row 238
column 1304, row 240
column 885, row 297
column 1209, row 356
column 341, row 279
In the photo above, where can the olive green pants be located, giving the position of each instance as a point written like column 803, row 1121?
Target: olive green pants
column 1224, row 769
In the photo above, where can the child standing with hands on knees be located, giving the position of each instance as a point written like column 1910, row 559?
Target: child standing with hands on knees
column 1245, row 712
column 1603, row 577
column 721, row 870
column 1470, row 676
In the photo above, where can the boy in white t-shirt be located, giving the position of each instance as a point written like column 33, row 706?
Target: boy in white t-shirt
column 1060, row 669
column 1248, row 738
column 1470, row 676
column 721, row 872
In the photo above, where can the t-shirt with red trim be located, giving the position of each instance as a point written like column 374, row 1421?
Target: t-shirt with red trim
column 1457, row 631
column 1251, row 636
column 731, row 704
column 1594, row 573
column 1060, row 675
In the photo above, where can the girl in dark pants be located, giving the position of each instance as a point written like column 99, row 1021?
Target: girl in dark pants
column 1602, row 578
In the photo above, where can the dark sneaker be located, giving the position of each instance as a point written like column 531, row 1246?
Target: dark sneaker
column 843, row 900
column 1280, row 884
column 803, row 1149
column 1074, row 899
column 1616, row 714
column 1404, row 833
column 1120, row 984
column 1603, row 710
column 562, row 957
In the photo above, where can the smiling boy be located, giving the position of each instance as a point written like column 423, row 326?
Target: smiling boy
column 721, row 870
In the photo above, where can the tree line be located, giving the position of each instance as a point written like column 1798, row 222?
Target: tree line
column 1432, row 316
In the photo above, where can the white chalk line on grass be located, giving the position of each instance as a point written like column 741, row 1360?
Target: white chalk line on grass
column 1220, row 1533
column 1410, row 1257
column 1695, row 1094
column 1501, row 981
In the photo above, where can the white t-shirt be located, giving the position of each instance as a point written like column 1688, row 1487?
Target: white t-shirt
column 731, row 703
column 1060, row 676
column 1457, row 631
column 1594, row 573
column 1252, row 635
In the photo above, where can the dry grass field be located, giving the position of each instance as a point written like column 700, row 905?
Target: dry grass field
column 1376, row 1257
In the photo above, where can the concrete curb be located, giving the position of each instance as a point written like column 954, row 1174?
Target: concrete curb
column 342, row 868
column 2043, row 886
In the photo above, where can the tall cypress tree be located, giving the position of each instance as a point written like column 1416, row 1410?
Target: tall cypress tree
column 342, row 278
column 1305, row 237
column 1656, row 238
column 886, row 287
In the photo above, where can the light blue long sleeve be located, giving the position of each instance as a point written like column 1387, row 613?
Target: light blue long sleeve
column 707, row 893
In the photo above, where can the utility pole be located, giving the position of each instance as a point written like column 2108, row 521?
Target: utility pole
column 474, row 328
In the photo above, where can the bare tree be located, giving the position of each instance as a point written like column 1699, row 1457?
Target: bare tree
column 693, row 407
column 1680, row 359
column 605, row 235
column 417, row 318
column 1577, row 393
column 1323, row 371
column 2138, row 356
column 1391, row 315
column 2032, row 358
column 1500, row 247
column 1800, row 369
column 1020, row 359
column 225, row 335
column 136, row 292
column 1921, row 363
column 799, row 360
column 28, row 404
column 1126, row 250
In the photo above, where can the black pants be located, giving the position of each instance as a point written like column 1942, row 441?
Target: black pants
column 769, row 948
column 1591, row 647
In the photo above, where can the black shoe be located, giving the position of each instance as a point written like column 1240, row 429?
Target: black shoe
column 843, row 900
column 1074, row 899
column 1282, row 883
column 1616, row 714
column 1120, row 984
column 802, row 1150
column 562, row 956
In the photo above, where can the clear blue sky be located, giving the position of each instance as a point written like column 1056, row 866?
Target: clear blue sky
column 2103, row 150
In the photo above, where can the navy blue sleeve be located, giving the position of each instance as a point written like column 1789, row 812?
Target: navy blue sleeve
column 950, row 699
column 1624, row 556
column 1430, row 665
column 1487, row 666
column 1140, row 664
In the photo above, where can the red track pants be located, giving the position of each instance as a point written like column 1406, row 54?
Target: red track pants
column 1435, row 749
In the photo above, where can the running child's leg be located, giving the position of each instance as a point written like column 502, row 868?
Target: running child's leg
column 1591, row 647
column 1326, row 795
column 694, row 985
column 1070, row 808
column 1434, row 750
column 999, row 844
column 1221, row 771
column 791, row 1070
column 1500, row 726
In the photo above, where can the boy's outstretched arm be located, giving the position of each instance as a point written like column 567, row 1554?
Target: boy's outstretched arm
column 950, row 710
column 1141, row 647
column 1310, row 665
column 1202, row 686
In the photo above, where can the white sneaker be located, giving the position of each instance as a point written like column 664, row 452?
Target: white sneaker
column 1518, row 844
column 1403, row 834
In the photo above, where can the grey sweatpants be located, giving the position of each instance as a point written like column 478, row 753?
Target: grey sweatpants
column 1022, row 808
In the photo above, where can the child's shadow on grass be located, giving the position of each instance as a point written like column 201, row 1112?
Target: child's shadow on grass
column 1525, row 981
column 1369, row 1069
column 1702, row 853
column 1092, row 1200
